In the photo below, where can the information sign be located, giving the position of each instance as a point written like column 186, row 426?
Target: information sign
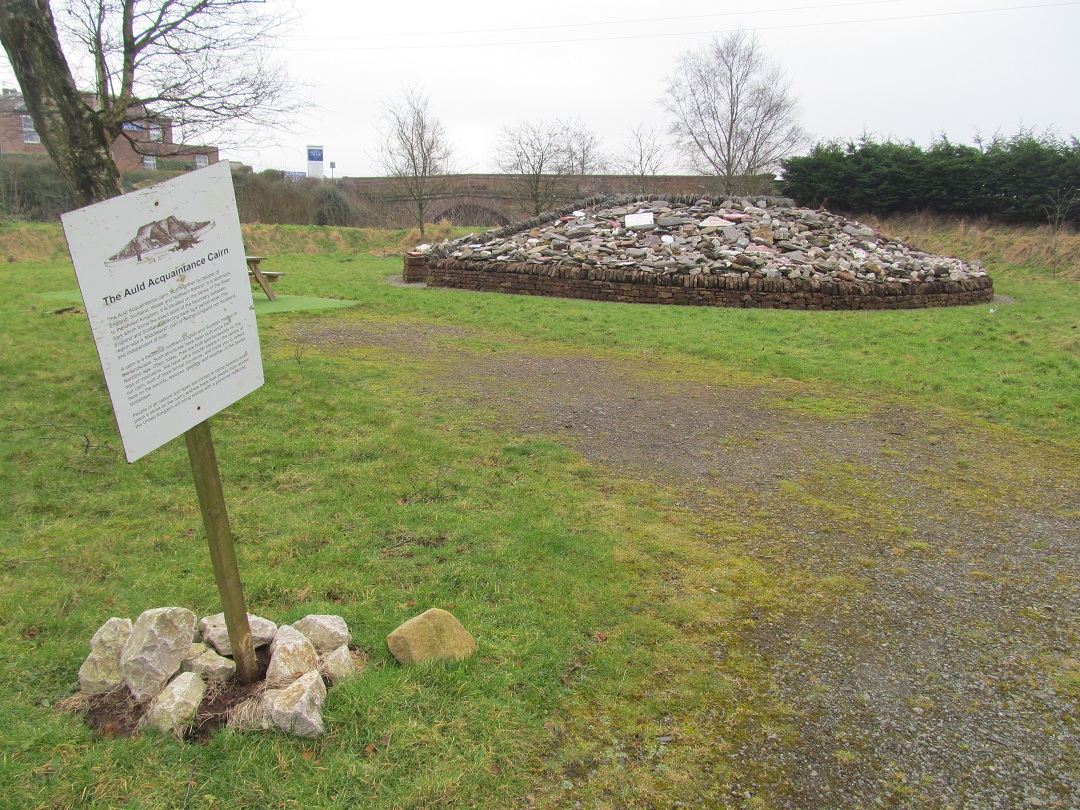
column 164, row 281
column 315, row 162
column 633, row 221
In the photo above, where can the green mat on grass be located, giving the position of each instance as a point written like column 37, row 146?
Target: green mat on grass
column 263, row 306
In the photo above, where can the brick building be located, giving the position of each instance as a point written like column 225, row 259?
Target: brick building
column 147, row 142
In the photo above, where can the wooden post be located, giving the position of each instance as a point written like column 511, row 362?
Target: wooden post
column 204, row 467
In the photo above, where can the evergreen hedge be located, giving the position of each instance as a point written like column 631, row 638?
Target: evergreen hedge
column 1027, row 178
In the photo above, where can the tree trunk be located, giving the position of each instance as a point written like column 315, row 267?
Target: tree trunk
column 72, row 133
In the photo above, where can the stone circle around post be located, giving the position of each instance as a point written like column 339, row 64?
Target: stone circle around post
column 169, row 671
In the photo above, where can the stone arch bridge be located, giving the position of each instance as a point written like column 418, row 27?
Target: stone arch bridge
column 494, row 199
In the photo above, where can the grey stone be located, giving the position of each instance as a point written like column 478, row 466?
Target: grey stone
column 209, row 664
column 297, row 709
column 174, row 707
column 291, row 656
column 101, row 672
column 325, row 632
column 216, row 634
column 159, row 640
column 705, row 232
column 338, row 665
column 434, row 635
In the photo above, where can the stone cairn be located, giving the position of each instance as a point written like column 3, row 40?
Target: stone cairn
column 763, row 252
column 168, row 661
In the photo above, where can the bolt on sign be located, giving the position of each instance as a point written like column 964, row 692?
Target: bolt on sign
column 165, row 285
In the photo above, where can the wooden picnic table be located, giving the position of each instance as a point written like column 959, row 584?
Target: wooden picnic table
column 262, row 277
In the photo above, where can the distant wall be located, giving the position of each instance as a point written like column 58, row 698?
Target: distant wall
column 635, row 286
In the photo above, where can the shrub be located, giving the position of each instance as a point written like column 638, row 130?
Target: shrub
column 1007, row 179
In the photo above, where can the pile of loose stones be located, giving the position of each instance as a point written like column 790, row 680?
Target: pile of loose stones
column 763, row 238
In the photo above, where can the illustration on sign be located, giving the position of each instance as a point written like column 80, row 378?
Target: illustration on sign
column 171, row 310
column 156, row 240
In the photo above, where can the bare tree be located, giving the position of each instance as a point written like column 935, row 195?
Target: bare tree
column 200, row 63
column 584, row 149
column 644, row 155
column 534, row 154
column 415, row 151
column 733, row 113
column 1059, row 205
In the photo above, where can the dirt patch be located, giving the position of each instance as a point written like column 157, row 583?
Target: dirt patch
column 118, row 713
column 931, row 677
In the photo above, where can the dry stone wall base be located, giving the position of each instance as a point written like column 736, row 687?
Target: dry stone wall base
column 628, row 286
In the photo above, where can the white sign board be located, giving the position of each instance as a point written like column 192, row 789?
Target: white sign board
column 639, row 220
column 165, row 284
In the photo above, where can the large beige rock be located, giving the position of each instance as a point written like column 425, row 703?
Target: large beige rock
column 215, row 633
column 175, row 706
column 325, row 632
column 291, row 655
column 159, row 640
column 297, row 709
column 434, row 635
column 100, row 671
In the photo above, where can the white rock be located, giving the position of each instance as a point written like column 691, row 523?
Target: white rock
column 325, row 632
column 216, row 634
column 208, row 663
column 174, row 707
column 291, row 655
column 159, row 640
column 297, row 709
column 338, row 665
column 100, row 671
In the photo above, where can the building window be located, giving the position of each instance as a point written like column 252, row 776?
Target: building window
column 155, row 133
column 29, row 134
column 201, row 161
column 149, row 163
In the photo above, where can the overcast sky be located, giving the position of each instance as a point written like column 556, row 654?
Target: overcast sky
column 910, row 69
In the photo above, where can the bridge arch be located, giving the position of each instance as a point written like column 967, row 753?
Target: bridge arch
column 472, row 211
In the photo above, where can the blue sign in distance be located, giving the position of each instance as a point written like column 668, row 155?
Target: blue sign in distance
column 314, row 155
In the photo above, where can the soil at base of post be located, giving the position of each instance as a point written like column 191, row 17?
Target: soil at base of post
column 117, row 713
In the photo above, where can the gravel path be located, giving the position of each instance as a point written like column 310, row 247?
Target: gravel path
column 938, row 681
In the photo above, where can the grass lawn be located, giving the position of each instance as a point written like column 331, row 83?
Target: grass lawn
column 353, row 491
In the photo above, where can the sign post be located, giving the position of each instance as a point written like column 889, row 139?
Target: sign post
column 204, row 467
column 164, row 281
